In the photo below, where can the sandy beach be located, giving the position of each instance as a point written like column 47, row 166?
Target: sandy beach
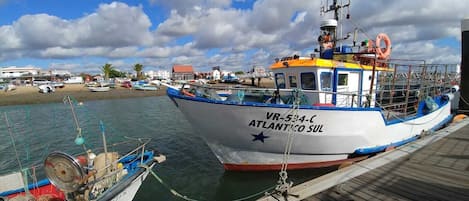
column 30, row 94
column 24, row 95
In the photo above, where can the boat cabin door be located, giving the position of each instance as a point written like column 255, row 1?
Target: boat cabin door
column 347, row 87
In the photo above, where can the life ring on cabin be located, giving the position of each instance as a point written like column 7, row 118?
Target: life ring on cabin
column 187, row 93
column 387, row 51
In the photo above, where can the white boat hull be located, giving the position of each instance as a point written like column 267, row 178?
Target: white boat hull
column 130, row 192
column 99, row 89
column 253, row 137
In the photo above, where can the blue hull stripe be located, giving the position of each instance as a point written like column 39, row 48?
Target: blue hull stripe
column 173, row 93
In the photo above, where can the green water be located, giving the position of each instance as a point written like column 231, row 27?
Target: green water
column 190, row 168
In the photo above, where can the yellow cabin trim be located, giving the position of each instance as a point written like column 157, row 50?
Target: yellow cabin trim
column 323, row 63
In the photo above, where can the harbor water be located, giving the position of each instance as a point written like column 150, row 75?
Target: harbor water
column 191, row 169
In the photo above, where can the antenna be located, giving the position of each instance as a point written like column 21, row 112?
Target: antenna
column 335, row 7
column 329, row 37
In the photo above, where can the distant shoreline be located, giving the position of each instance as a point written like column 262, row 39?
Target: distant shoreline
column 26, row 95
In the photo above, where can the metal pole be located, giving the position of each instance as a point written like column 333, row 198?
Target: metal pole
column 372, row 79
column 464, row 65
column 408, row 90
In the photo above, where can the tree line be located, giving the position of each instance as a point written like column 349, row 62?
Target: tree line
column 110, row 72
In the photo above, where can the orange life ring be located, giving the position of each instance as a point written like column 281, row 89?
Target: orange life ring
column 383, row 54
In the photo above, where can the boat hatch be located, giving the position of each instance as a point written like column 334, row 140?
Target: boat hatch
column 347, row 87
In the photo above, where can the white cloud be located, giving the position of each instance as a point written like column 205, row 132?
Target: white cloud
column 428, row 20
column 112, row 25
column 184, row 6
column 115, row 25
column 177, row 25
column 162, row 52
column 427, row 50
column 123, row 52
column 60, row 52
column 8, row 38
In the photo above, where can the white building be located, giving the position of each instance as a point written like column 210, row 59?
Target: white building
column 161, row 74
column 60, row 72
column 13, row 71
column 216, row 75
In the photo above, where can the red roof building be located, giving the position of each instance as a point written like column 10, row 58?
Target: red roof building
column 182, row 72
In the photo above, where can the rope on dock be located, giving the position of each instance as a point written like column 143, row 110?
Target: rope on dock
column 177, row 194
column 283, row 187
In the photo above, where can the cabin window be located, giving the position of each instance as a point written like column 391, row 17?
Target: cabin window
column 292, row 80
column 280, row 80
column 343, row 80
column 308, row 81
column 326, row 81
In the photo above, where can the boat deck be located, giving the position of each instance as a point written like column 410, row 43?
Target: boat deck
column 433, row 168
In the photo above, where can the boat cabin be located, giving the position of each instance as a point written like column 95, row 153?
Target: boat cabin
column 325, row 82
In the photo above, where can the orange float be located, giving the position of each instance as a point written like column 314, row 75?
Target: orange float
column 459, row 118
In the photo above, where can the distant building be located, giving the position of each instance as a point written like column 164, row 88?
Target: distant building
column 15, row 72
column 161, row 74
column 62, row 73
column 216, row 75
column 182, row 72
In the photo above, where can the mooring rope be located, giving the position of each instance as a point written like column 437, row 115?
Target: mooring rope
column 184, row 197
column 282, row 185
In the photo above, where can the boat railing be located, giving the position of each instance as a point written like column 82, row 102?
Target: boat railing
column 138, row 151
column 398, row 91
column 110, row 174
column 239, row 94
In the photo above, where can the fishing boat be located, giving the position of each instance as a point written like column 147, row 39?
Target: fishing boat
column 46, row 88
column 145, row 87
column 99, row 89
column 343, row 105
column 99, row 174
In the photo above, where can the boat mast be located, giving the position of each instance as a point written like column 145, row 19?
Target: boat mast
column 329, row 26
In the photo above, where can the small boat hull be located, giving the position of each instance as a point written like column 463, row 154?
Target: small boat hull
column 43, row 189
column 99, row 89
column 145, row 87
column 127, row 189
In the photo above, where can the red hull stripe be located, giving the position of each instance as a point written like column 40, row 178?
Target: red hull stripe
column 291, row 166
column 48, row 192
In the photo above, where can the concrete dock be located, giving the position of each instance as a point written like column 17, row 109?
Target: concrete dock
column 435, row 167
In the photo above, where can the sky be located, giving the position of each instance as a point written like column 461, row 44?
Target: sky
column 82, row 36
